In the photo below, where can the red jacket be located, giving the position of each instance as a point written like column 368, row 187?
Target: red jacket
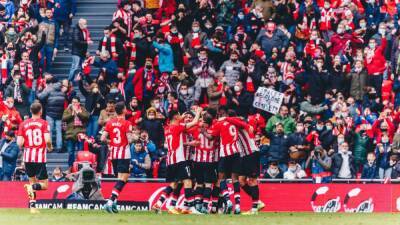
column 378, row 62
column 340, row 42
column 139, row 84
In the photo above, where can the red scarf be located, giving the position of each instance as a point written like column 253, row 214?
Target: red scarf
column 86, row 65
column 195, row 40
column 126, row 17
column 121, row 88
column 223, row 100
column 132, row 46
column 26, row 70
column 175, row 39
column 113, row 49
column 4, row 72
column 86, row 35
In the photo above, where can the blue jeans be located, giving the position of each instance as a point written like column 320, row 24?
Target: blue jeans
column 93, row 126
column 47, row 54
column 55, row 130
column 75, row 67
column 71, row 148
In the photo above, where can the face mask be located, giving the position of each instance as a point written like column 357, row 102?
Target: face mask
column 299, row 128
column 382, row 31
column 328, row 128
column 371, row 45
column 95, row 90
column 363, row 25
column 149, row 67
column 274, row 171
column 195, row 29
column 151, row 117
column 137, row 36
column 319, row 128
column 344, row 150
column 340, row 31
column 9, row 105
column 385, row 140
column 236, row 88
column 292, row 169
column 157, row 105
column 174, row 31
column 241, row 16
column 184, row 92
column 340, row 140
column 203, row 58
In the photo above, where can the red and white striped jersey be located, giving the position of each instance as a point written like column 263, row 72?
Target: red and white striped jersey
column 33, row 131
column 228, row 135
column 118, row 128
column 174, row 138
column 205, row 151
column 247, row 143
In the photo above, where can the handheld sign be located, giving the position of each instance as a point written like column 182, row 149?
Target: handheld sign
column 268, row 100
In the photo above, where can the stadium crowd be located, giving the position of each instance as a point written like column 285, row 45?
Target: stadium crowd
column 336, row 62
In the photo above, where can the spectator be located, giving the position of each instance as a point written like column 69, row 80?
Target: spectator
column 64, row 10
column 241, row 101
column 18, row 90
column 80, row 42
column 343, row 163
column 383, row 152
column 49, row 30
column 57, row 175
column 8, row 156
column 154, row 127
column 232, row 69
column 375, row 63
column 165, row 55
column 108, row 67
column 76, row 117
column 358, row 78
column 107, row 113
column 320, row 164
column 370, row 169
column 53, row 98
column 194, row 40
column 140, row 160
column 278, row 148
column 144, row 82
column 273, row 171
column 362, row 144
column 294, row 172
column 284, row 118
column 272, row 37
column 202, row 68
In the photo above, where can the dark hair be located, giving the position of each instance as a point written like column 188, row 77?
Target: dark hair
column 232, row 112
column 174, row 94
column 208, row 119
column 172, row 114
column 212, row 112
column 36, row 107
column 119, row 108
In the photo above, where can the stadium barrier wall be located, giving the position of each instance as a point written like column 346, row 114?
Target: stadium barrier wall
column 278, row 197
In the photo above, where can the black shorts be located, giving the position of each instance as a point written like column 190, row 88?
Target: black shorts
column 37, row 170
column 205, row 172
column 230, row 164
column 178, row 172
column 121, row 165
column 251, row 165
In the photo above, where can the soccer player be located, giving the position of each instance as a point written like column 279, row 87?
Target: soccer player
column 34, row 136
column 118, row 134
column 178, row 169
column 205, row 170
column 230, row 160
column 250, row 168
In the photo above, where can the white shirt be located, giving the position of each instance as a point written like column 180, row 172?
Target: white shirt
column 344, row 171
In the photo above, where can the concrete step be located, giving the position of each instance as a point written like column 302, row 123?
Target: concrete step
column 99, row 8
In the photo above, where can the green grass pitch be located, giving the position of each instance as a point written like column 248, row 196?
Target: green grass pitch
column 63, row 217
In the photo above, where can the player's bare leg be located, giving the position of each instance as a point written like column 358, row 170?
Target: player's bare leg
column 111, row 205
column 164, row 195
column 236, row 190
column 31, row 188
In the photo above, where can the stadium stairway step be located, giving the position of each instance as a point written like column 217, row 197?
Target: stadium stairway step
column 98, row 14
column 57, row 160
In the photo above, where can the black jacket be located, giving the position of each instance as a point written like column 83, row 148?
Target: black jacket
column 278, row 147
column 53, row 99
column 337, row 161
column 94, row 102
column 155, row 130
column 79, row 44
column 144, row 49
column 245, row 100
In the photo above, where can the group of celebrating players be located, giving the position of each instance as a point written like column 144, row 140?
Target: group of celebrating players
column 203, row 152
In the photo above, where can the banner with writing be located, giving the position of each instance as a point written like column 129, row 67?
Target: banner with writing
column 268, row 100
